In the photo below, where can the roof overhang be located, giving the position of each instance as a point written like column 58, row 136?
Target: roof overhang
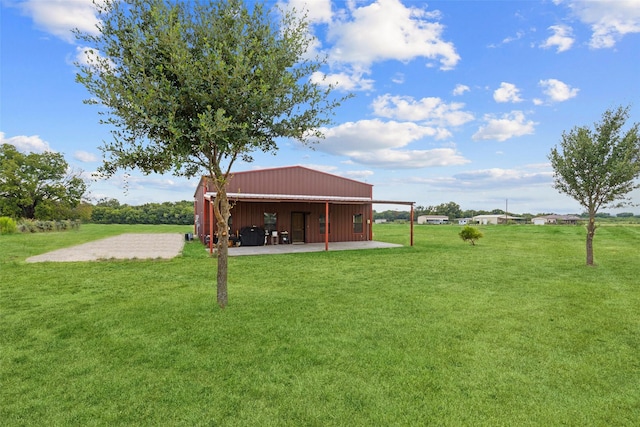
column 248, row 197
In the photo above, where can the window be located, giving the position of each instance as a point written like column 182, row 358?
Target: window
column 270, row 222
column 357, row 223
column 322, row 224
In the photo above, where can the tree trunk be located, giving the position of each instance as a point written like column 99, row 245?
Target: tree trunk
column 222, row 213
column 591, row 230
column 223, row 249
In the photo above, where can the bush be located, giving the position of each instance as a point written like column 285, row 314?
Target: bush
column 7, row 225
column 470, row 234
column 35, row 226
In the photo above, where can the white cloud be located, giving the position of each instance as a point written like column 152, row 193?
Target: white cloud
column 85, row 156
column 508, row 126
column 372, row 135
column 430, row 110
column 59, row 17
column 382, row 144
column 495, row 178
column 609, row 20
column 26, row 144
column 145, row 182
column 508, row 92
column 410, row 159
column 460, row 89
column 360, row 175
column 562, row 38
column 557, row 91
column 388, row 30
column 398, row 78
column 343, row 81
column 317, row 11
column 510, row 39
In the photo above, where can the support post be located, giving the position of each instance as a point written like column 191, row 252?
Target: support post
column 412, row 225
column 326, row 226
column 211, row 220
column 371, row 222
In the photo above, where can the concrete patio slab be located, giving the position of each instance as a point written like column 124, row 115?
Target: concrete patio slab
column 307, row 247
column 124, row 246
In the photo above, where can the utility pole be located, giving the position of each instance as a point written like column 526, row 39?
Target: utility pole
column 506, row 210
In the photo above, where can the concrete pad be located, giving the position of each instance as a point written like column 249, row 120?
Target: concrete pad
column 124, row 246
column 307, row 247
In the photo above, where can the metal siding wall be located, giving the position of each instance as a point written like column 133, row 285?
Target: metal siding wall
column 199, row 210
column 296, row 180
column 246, row 214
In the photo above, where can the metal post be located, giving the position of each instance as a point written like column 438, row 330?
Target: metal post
column 326, row 226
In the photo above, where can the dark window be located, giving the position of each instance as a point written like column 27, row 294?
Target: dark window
column 322, row 224
column 357, row 223
column 270, row 222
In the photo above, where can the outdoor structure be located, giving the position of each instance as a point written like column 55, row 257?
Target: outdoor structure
column 496, row 219
column 556, row 219
column 290, row 205
column 433, row 219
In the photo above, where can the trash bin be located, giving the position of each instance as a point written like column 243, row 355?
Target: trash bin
column 284, row 237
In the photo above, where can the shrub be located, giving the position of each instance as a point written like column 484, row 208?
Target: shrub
column 470, row 234
column 35, row 226
column 7, row 225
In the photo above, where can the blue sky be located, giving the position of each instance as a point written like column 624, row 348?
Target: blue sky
column 454, row 100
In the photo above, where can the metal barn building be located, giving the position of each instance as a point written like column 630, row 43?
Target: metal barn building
column 290, row 205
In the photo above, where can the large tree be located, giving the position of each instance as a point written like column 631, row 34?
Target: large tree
column 192, row 87
column 598, row 167
column 37, row 185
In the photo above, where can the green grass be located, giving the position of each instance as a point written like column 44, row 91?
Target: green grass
column 513, row 331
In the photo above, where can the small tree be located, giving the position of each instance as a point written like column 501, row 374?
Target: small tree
column 37, row 185
column 193, row 86
column 470, row 234
column 598, row 167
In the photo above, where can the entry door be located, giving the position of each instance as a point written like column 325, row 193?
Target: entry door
column 297, row 227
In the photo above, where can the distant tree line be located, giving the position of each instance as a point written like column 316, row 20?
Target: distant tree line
column 110, row 211
column 453, row 211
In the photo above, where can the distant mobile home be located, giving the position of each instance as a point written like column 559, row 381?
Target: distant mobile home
column 433, row 219
column 290, row 205
column 496, row 219
column 556, row 219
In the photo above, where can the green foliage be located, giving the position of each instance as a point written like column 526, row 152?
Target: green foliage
column 7, row 225
column 37, row 185
column 393, row 215
column 451, row 210
column 191, row 87
column 470, row 234
column 205, row 83
column 112, row 212
column 597, row 167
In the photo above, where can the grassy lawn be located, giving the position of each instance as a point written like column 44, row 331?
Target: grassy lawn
column 513, row 331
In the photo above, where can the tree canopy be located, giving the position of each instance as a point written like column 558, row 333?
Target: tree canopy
column 191, row 87
column 37, row 185
column 598, row 167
